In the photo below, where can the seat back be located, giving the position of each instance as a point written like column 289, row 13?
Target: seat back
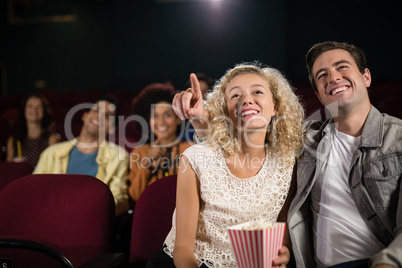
column 152, row 219
column 73, row 212
column 10, row 171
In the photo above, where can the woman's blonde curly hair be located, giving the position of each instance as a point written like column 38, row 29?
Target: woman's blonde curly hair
column 285, row 131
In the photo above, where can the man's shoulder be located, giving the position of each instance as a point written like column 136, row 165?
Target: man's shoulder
column 392, row 129
column 314, row 129
column 57, row 146
column 391, row 126
column 392, row 120
column 314, row 124
column 115, row 149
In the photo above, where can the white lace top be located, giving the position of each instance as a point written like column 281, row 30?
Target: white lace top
column 227, row 200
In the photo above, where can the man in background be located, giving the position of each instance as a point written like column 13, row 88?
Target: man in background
column 91, row 154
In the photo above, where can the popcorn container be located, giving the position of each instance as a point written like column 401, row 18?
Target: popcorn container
column 256, row 245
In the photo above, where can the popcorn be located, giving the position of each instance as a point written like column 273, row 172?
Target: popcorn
column 257, row 225
column 256, row 244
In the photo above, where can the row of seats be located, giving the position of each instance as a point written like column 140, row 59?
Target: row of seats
column 62, row 220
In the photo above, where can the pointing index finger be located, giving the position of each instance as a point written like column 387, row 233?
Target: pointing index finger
column 195, row 86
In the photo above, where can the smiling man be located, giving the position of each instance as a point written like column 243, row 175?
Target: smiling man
column 348, row 208
column 91, row 154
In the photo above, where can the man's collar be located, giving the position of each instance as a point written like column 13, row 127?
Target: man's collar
column 373, row 129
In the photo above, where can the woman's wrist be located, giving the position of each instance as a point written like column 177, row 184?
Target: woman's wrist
column 199, row 139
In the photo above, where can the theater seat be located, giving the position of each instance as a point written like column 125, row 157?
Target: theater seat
column 70, row 214
column 152, row 220
column 10, row 171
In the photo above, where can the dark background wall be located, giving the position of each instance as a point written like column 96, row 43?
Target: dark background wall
column 373, row 25
column 126, row 44
column 120, row 46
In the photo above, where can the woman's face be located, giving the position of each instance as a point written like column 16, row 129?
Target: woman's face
column 249, row 102
column 34, row 110
column 163, row 121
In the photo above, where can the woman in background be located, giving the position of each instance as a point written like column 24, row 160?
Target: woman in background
column 159, row 157
column 34, row 131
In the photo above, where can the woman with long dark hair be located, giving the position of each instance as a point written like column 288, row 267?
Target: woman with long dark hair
column 34, row 131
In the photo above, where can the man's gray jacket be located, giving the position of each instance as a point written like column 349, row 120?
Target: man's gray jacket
column 374, row 180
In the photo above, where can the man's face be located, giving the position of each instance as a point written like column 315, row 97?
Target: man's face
column 339, row 80
column 99, row 120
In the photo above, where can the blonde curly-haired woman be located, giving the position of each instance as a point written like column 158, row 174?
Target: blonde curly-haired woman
column 241, row 172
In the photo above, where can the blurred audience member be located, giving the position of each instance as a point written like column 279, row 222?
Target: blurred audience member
column 206, row 83
column 34, row 132
column 159, row 157
column 91, row 154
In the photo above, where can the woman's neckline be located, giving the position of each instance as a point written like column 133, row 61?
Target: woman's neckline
column 263, row 165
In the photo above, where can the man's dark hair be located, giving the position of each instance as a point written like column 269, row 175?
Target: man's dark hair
column 113, row 101
column 202, row 77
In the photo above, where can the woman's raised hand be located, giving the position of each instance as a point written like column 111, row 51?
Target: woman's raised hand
column 190, row 105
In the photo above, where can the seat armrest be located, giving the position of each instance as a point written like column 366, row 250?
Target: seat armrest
column 106, row 260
